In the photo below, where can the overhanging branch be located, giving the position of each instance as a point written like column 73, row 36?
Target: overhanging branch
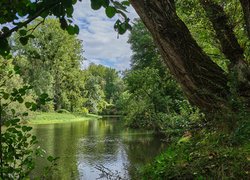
column 37, row 14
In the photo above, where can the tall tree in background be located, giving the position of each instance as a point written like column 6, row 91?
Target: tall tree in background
column 103, row 86
column 51, row 64
column 153, row 91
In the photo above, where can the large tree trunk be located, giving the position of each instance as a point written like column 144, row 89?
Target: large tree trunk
column 203, row 81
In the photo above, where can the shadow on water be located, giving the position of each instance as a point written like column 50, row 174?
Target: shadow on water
column 82, row 146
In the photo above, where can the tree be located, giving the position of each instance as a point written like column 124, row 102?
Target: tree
column 203, row 81
column 153, row 93
column 51, row 65
column 104, row 87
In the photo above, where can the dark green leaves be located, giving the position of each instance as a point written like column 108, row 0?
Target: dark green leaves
column 4, row 47
column 6, row 95
column 122, row 27
column 23, row 40
column 23, row 32
column 26, row 128
column 110, row 11
column 17, row 69
column 72, row 29
column 76, row 29
column 28, row 104
column 96, row 4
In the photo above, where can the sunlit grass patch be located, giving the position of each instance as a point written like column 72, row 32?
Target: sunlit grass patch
column 54, row 117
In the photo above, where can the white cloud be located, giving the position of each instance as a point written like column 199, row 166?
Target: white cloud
column 100, row 41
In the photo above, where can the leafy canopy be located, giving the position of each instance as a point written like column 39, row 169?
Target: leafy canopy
column 16, row 15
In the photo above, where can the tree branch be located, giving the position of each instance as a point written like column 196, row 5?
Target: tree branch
column 38, row 13
column 224, row 31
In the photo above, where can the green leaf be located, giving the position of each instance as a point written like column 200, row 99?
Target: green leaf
column 31, row 36
column 110, row 11
column 5, row 29
column 26, row 128
column 96, row 4
column 50, row 158
column 6, row 95
column 24, row 40
column 15, row 92
column 25, row 114
column 22, row 91
column 19, row 99
column 28, row 104
column 126, row 3
column 13, row 111
column 33, row 107
column 105, row 3
column 22, row 32
column 76, row 29
column 67, row 3
column 71, row 29
column 70, row 11
column 44, row 96
column 4, row 47
column 17, row 69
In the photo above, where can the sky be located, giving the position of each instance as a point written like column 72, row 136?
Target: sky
column 100, row 41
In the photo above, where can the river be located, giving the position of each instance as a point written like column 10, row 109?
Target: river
column 82, row 146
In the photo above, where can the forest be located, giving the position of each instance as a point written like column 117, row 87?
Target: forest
column 181, row 111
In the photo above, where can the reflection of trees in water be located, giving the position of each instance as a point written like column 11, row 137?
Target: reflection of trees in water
column 60, row 140
column 141, row 151
column 88, row 143
column 101, row 144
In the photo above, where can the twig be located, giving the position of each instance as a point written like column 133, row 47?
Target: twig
column 38, row 13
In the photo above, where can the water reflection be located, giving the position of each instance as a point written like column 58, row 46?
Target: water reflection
column 83, row 145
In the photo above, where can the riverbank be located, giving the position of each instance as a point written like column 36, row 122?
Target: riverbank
column 54, row 117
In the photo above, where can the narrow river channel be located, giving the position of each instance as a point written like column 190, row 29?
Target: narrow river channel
column 84, row 145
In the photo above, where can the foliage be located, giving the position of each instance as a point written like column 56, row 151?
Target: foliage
column 18, row 145
column 206, row 154
column 62, row 111
column 154, row 98
column 103, row 88
column 21, row 13
column 51, row 66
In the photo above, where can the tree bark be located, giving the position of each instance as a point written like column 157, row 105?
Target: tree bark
column 245, row 4
column 229, row 45
column 203, row 81
column 224, row 31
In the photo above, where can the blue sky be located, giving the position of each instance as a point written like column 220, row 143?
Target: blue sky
column 101, row 45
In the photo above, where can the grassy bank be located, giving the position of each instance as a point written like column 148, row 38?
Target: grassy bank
column 210, row 152
column 54, row 117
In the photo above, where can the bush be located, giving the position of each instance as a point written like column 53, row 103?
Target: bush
column 62, row 111
column 205, row 155
column 85, row 111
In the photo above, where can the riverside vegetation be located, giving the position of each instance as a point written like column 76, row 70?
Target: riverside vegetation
column 204, row 115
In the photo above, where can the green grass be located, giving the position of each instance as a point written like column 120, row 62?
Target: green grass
column 54, row 117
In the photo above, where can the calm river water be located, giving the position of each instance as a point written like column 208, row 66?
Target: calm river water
column 82, row 146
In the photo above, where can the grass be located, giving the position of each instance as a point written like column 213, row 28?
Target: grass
column 209, row 153
column 54, row 117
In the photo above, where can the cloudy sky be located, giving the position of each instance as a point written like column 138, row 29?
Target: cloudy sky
column 100, row 41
